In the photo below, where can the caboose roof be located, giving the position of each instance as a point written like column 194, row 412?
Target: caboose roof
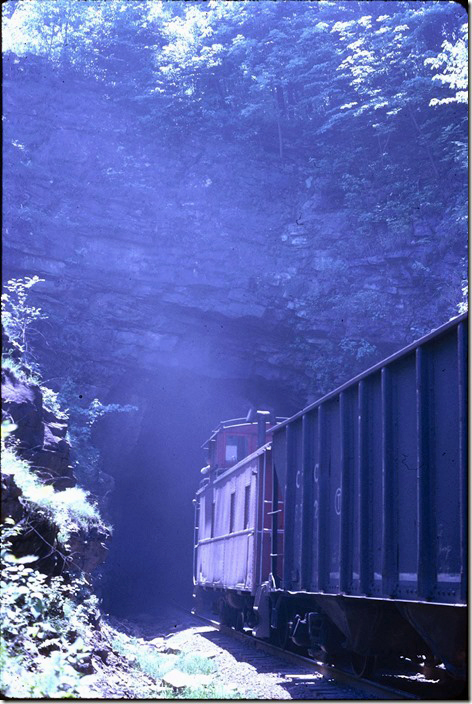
column 235, row 423
column 231, row 423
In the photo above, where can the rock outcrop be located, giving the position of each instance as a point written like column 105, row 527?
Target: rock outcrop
column 192, row 278
column 39, row 438
column 203, row 255
column 40, row 434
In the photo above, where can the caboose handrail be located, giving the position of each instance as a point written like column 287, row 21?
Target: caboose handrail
column 235, row 423
column 234, row 534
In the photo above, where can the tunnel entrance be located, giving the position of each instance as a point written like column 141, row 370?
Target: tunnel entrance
column 156, row 475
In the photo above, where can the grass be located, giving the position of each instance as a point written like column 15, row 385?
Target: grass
column 213, row 691
column 195, row 664
column 70, row 509
column 51, row 403
column 26, row 375
column 149, row 661
column 156, row 665
column 15, row 368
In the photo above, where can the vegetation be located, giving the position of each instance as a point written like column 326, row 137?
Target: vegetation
column 81, row 421
column 46, row 621
column 156, row 664
column 70, row 509
column 381, row 81
column 19, row 318
column 362, row 104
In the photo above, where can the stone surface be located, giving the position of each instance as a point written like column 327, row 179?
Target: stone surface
column 39, row 439
column 39, row 433
column 158, row 254
column 204, row 263
column 180, row 680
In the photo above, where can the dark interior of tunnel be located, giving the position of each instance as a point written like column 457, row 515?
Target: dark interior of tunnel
column 156, row 475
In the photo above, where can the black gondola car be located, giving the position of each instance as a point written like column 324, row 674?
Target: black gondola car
column 373, row 479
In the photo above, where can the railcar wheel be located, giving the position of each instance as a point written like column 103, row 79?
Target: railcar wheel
column 225, row 613
column 363, row 665
column 282, row 632
column 239, row 621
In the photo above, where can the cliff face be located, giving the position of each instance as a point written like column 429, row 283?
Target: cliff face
column 205, row 256
column 39, row 439
column 192, row 278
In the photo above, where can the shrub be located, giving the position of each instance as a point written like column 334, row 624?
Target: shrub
column 85, row 455
column 18, row 316
column 45, row 623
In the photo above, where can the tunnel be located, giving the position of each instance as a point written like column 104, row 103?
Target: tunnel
column 156, row 468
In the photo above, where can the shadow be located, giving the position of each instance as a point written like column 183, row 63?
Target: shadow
column 160, row 623
column 298, row 681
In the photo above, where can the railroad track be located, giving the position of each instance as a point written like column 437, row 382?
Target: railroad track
column 333, row 676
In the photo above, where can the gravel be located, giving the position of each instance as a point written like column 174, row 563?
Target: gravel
column 243, row 671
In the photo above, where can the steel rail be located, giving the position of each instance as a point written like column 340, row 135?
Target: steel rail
column 378, row 690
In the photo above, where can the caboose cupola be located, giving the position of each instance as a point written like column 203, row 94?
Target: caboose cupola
column 235, row 439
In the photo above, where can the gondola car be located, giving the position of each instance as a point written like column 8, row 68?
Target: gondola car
column 370, row 557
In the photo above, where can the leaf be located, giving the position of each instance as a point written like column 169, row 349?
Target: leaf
column 37, row 607
column 26, row 559
column 8, row 428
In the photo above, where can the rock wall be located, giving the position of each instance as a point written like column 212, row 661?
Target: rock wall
column 192, row 279
column 205, row 255
column 39, row 438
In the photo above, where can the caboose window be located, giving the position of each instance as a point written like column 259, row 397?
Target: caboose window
column 236, row 448
column 247, row 496
column 232, row 504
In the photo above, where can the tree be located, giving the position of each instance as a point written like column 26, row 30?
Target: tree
column 453, row 59
column 18, row 315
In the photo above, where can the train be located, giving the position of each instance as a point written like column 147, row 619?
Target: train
column 342, row 530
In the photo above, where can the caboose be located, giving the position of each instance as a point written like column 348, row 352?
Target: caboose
column 236, row 508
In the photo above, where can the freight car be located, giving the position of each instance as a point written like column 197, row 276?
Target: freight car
column 347, row 531
column 233, row 519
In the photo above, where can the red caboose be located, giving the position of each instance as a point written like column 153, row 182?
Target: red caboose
column 236, row 507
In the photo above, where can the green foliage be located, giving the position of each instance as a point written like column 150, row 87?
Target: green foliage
column 215, row 690
column 341, row 90
column 361, row 350
column 146, row 658
column 195, row 664
column 156, row 664
column 333, row 364
column 453, row 59
column 45, row 624
column 463, row 305
column 51, row 401
column 70, row 509
column 82, row 417
column 18, row 315
column 20, row 372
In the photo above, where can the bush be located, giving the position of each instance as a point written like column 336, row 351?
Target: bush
column 18, row 316
column 45, row 624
